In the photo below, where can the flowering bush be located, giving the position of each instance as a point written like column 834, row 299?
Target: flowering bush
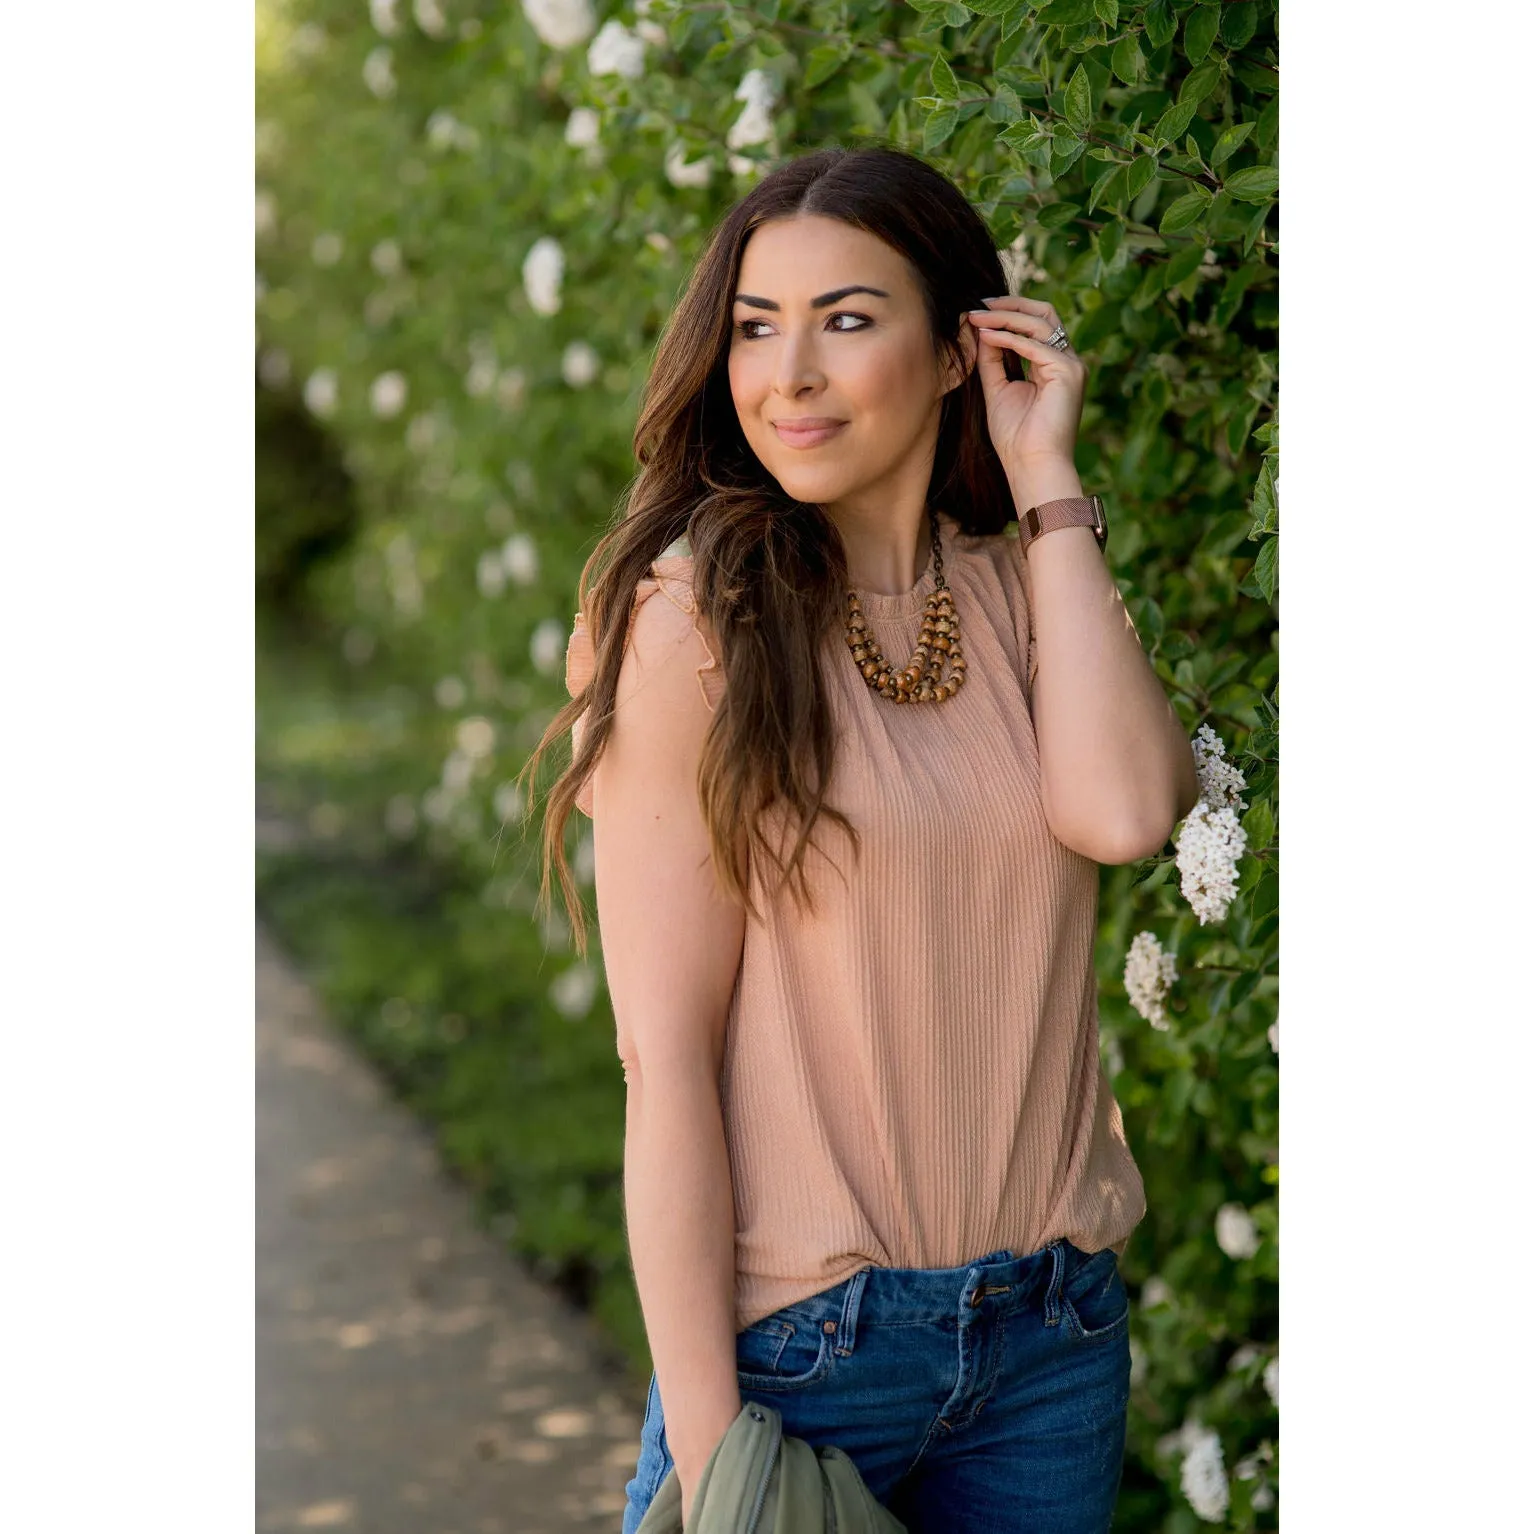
column 470, row 222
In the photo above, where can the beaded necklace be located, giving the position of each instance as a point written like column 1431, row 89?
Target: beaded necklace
column 919, row 681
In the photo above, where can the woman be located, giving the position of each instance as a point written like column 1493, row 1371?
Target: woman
column 874, row 1172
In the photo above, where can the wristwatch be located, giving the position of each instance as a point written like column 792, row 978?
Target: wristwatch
column 1073, row 511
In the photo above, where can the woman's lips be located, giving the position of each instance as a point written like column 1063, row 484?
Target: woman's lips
column 806, row 438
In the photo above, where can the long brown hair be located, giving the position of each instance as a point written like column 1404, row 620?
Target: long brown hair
column 769, row 571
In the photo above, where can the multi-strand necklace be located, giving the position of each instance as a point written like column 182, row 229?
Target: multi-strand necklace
column 920, row 680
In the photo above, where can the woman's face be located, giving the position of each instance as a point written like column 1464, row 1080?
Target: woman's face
column 803, row 347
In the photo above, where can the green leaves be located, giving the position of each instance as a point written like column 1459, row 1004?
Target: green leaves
column 1256, row 184
column 938, row 128
column 1258, row 822
column 1128, row 63
column 1186, row 211
column 1078, row 100
column 823, row 62
column 1228, row 143
column 1160, row 22
column 1265, row 570
column 1199, row 31
column 1174, row 122
column 943, row 82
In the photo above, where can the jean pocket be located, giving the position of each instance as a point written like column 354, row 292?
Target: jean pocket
column 779, row 1354
column 1093, row 1297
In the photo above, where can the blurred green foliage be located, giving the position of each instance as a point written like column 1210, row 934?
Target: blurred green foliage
column 468, row 437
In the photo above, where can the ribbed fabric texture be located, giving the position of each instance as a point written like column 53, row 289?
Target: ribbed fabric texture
column 911, row 1074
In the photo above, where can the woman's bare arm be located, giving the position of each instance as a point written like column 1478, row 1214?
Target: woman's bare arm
column 1117, row 763
column 671, row 945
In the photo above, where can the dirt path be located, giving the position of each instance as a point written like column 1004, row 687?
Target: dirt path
column 410, row 1377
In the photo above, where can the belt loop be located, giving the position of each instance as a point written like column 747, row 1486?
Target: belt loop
column 847, row 1327
column 1056, row 1251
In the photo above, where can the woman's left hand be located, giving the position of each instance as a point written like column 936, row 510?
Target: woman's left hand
column 1036, row 418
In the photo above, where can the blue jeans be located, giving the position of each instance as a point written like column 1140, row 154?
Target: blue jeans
column 989, row 1398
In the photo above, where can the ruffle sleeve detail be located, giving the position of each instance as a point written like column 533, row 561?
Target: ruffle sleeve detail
column 671, row 575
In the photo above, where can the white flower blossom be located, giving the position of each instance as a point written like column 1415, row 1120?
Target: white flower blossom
column 400, row 817
column 680, row 173
column 1246, row 1354
column 481, row 376
column 1203, row 1474
column 457, row 772
column 575, row 990
column 511, row 389
column 1219, row 783
column 1236, row 1232
column 450, row 693
column 1148, row 975
column 385, row 19
column 271, row 139
column 388, row 395
column 1209, row 847
column 386, row 259
column 651, row 31
column 429, row 18
column 328, row 248
column 548, row 646
column 274, row 369
column 759, row 91
column 421, row 434
column 378, row 72
column 1263, row 1498
column 321, row 391
column 543, row 273
column 1270, row 1380
column 656, row 240
column 266, row 214
column 507, row 801
column 560, row 23
column 579, row 365
column 1155, row 1291
column 520, row 557
column 1017, row 264
column 490, row 574
column 1273, row 1035
column 616, row 51
column 308, row 41
column 583, row 127
column 476, row 737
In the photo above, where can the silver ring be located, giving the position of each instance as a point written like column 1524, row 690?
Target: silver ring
column 1058, row 340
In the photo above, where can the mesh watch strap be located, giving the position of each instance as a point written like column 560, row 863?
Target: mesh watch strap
column 1072, row 511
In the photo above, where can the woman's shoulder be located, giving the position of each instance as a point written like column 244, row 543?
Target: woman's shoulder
column 674, row 620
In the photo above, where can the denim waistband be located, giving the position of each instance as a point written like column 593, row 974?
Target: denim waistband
column 1000, row 1281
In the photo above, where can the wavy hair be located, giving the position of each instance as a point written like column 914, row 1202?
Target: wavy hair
column 769, row 571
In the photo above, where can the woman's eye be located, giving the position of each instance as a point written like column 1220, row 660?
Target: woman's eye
column 744, row 331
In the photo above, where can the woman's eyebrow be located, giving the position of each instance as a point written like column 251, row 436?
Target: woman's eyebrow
column 815, row 303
